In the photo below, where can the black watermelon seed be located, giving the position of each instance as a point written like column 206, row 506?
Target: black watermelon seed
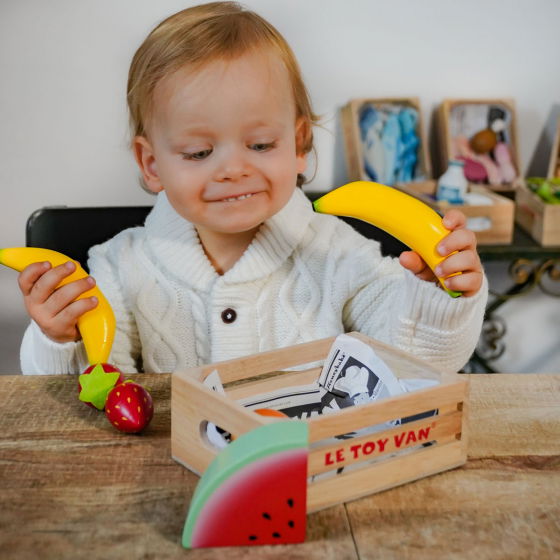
column 290, row 502
column 291, row 524
column 266, row 516
column 276, row 535
column 252, row 537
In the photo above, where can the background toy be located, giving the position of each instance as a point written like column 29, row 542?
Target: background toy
column 389, row 141
column 483, row 141
column 479, row 167
column 403, row 216
column 97, row 326
column 254, row 492
column 453, row 185
column 482, row 134
column 547, row 189
column 129, row 407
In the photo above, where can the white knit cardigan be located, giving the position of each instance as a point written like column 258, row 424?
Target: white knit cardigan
column 305, row 276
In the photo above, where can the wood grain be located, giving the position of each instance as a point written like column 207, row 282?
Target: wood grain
column 514, row 415
column 73, row 487
column 504, row 503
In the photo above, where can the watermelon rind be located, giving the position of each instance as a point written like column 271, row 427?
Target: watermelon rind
column 248, row 448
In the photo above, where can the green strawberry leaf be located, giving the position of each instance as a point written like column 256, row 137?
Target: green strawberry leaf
column 96, row 386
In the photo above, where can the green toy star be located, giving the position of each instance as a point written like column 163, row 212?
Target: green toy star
column 96, row 386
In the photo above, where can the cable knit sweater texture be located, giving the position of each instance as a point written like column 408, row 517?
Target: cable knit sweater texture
column 305, row 276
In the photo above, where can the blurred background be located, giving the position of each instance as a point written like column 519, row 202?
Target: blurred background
column 64, row 137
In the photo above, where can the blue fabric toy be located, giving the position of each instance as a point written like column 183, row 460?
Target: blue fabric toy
column 408, row 118
column 389, row 142
column 371, row 127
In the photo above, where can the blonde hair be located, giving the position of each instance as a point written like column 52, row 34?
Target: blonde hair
column 202, row 34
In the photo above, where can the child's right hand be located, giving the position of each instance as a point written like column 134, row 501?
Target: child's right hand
column 55, row 310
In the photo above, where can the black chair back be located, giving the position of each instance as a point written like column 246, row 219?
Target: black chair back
column 73, row 231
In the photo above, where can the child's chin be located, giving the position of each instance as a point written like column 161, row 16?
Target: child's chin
column 240, row 227
column 241, row 224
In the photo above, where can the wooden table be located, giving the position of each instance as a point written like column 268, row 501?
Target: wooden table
column 73, row 487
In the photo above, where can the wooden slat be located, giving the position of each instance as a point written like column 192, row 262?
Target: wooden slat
column 384, row 475
column 343, row 453
column 283, row 379
column 554, row 161
column 192, row 406
column 264, row 362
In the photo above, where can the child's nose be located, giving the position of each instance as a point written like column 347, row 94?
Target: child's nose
column 233, row 165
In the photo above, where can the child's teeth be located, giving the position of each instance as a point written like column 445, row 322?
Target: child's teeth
column 232, row 198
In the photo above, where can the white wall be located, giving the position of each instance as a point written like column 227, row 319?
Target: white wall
column 63, row 66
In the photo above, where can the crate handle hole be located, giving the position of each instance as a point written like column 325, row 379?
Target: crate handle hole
column 214, row 437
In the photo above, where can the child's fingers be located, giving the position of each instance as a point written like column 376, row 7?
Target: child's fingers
column 47, row 283
column 454, row 219
column 468, row 283
column 463, row 261
column 71, row 313
column 457, row 240
column 30, row 274
column 65, row 295
column 413, row 262
column 63, row 326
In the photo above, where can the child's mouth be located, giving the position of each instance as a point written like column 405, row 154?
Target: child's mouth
column 234, row 198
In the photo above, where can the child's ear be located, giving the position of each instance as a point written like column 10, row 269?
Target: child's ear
column 303, row 130
column 145, row 158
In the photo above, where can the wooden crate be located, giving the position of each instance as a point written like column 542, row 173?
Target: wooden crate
column 353, row 150
column 445, row 137
column 493, row 224
column 554, row 164
column 540, row 219
column 403, row 459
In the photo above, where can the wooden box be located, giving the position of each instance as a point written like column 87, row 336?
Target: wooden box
column 554, row 164
column 353, row 146
column 412, row 450
column 452, row 125
column 540, row 219
column 492, row 224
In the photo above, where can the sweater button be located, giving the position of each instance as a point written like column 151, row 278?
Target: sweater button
column 229, row 315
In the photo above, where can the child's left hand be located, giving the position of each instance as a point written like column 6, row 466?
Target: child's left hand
column 465, row 260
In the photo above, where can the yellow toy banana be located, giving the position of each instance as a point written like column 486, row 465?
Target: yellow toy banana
column 97, row 326
column 408, row 219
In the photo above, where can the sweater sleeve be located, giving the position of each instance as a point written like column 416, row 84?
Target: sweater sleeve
column 391, row 304
column 39, row 355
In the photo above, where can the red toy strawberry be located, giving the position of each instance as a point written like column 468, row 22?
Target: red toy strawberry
column 96, row 382
column 129, row 407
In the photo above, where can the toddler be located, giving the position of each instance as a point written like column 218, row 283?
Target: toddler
column 232, row 260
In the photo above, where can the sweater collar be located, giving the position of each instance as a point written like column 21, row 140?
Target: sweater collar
column 174, row 244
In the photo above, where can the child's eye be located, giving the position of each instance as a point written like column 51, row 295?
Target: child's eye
column 202, row 154
column 262, row 146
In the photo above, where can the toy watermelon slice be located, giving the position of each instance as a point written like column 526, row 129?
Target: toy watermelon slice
column 254, row 492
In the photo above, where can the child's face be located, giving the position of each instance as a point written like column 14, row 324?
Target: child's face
column 222, row 143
